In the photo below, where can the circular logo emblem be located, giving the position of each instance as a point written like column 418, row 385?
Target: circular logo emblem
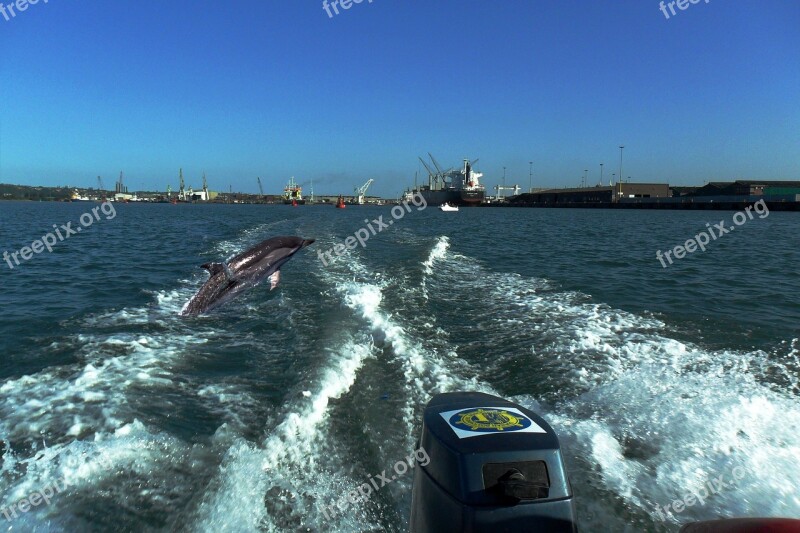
column 489, row 420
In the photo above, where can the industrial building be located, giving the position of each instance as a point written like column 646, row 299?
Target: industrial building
column 745, row 188
column 595, row 195
column 780, row 195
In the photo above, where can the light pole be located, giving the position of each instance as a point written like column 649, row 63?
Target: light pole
column 585, row 177
column 621, row 146
column 504, row 182
column 601, row 174
column 530, row 177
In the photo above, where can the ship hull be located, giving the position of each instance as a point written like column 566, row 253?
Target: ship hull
column 298, row 202
column 452, row 197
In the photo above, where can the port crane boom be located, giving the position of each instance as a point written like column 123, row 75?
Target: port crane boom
column 101, row 188
column 431, row 174
column 441, row 173
column 260, row 187
column 362, row 191
column 435, row 163
column 181, row 190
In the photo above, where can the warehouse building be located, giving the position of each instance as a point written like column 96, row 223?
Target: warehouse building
column 595, row 195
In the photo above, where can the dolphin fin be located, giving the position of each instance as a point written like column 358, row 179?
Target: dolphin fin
column 213, row 268
column 216, row 268
column 274, row 279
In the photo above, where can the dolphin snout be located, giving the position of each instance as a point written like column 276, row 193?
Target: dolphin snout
column 307, row 242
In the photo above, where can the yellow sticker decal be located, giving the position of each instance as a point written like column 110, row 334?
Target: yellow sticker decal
column 487, row 420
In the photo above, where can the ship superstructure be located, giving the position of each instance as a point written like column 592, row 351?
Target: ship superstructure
column 452, row 186
column 293, row 193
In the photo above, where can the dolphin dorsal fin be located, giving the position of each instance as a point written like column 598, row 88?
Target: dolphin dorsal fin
column 214, row 268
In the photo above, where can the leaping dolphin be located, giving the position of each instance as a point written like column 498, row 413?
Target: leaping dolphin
column 243, row 272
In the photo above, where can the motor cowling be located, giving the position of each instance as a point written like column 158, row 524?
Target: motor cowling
column 494, row 466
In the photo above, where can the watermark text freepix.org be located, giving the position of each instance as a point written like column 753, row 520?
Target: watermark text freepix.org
column 16, row 7
column 703, row 238
column 710, row 488
column 46, row 494
column 62, row 233
column 335, row 4
column 35, row 499
column 377, row 482
column 683, row 5
column 373, row 228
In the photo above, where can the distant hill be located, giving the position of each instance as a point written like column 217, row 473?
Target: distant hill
column 23, row 192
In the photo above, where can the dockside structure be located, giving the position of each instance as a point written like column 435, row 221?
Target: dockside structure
column 781, row 195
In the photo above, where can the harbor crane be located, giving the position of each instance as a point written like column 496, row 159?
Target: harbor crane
column 435, row 177
column 435, row 163
column 431, row 174
column 205, row 188
column 260, row 187
column 101, row 188
column 362, row 191
column 181, row 190
column 438, row 166
column 442, row 173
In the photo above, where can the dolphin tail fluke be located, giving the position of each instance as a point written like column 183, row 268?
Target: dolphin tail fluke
column 274, row 279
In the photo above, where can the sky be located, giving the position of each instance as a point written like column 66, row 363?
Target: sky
column 275, row 89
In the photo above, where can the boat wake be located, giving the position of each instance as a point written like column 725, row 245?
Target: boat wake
column 643, row 417
column 262, row 416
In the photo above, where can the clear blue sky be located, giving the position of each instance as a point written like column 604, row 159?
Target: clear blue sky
column 273, row 88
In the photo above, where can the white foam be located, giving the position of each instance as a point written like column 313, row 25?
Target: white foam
column 286, row 465
column 438, row 253
column 656, row 418
column 300, row 471
column 426, row 372
column 86, row 412
column 67, row 470
column 644, row 418
column 656, row 434
column 91, row 395
column 287, row 460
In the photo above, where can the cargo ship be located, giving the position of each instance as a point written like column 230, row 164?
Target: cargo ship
column 293, row 193
column 453, row 186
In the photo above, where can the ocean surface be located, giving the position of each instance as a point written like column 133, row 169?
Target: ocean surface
column 257, row 416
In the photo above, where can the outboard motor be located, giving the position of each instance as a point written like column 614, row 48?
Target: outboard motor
column 494, row 466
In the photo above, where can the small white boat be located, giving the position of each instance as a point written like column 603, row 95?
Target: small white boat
column 447, row 207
